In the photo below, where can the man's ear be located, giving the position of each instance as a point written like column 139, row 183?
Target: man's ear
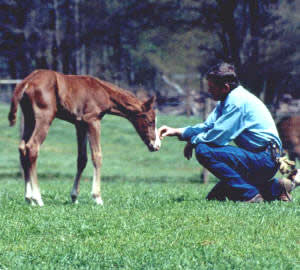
column 148, row 105
column 227, row 87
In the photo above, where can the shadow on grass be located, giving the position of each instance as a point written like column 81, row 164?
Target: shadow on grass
column 63, row 199
column 10, row 175
column 107, row 178
column 152, row 180
column 42, row 176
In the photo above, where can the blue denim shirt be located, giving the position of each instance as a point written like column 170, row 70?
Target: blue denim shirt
column 242, row 118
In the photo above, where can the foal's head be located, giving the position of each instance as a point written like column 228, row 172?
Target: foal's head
column 145, row 124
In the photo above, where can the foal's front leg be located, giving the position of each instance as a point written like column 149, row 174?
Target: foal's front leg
column 94, row 140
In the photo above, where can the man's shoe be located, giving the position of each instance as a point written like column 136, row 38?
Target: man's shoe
column 287, row 186
column 285, row 196
column 256, row 199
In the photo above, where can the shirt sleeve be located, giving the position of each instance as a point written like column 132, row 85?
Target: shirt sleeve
column 225, row 128
column 191, row 131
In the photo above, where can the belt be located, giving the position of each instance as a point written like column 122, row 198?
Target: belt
column 274, row 150
column 271, row 147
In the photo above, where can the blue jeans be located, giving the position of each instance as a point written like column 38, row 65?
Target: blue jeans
column 242, row 174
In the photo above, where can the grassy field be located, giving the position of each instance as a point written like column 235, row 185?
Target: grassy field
column 155, row 215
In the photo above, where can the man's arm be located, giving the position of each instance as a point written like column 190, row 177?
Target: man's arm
column 190, row 131
column 165, row 131
column 225, row 129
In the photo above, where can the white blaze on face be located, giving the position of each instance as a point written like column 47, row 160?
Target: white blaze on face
column 157, row 143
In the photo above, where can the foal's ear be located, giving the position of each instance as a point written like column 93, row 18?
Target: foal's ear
column 148, row 105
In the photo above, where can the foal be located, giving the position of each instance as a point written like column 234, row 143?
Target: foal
column 82, row 101
column 289, row 131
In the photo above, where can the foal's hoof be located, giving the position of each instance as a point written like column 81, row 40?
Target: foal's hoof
column 98, row 200
column 74, row 199
column 39, row 202
column 30, row 201
column 34, row 202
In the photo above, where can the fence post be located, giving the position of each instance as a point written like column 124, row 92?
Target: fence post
column 207, row 108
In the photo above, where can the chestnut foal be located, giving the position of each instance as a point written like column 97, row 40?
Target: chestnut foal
column 289, row 132
column 83, row 101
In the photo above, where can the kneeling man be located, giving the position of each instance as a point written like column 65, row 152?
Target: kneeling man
column 245, row 171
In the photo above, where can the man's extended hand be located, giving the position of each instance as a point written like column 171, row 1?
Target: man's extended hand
column 165, row 131
column 188, row 151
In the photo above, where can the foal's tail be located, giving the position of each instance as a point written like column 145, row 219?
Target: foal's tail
column 17, row 95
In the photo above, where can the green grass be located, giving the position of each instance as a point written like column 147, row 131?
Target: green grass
column 155, row 215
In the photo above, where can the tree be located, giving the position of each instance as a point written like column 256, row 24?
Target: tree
column 136, row 42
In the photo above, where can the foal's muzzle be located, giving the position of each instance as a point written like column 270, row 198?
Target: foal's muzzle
column 154, row 145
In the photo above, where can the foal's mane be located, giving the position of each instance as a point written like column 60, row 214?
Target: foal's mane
column 116, row 89
column 121, row 96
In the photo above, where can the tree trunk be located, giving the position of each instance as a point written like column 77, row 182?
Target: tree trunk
column 229, row 37
column 77, row 42
column 57, row 59
column 188, row 98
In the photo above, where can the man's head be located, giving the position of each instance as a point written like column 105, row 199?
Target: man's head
column 221, row 80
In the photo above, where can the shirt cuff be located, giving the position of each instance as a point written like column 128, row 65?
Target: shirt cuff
column 185, row 134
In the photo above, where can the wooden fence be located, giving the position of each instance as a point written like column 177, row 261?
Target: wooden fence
column 6, row 90
column 4, row 81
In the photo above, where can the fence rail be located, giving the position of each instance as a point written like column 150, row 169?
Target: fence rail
column 7, row 81
column 6, row 88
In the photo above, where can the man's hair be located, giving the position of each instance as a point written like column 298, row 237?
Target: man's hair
column 223, row 73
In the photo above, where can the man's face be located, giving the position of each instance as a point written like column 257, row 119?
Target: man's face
column 217, row 92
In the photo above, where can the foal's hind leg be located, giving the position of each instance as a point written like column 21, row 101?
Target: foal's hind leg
column 35, row 132
column 27, row 132
column 81, row 132
column 32, row 150
column 94, row 140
